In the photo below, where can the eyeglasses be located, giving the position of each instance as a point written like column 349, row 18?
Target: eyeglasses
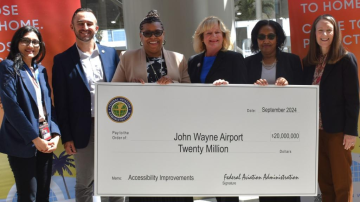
column 270, row 36
column 149, row 34
column 27, row 42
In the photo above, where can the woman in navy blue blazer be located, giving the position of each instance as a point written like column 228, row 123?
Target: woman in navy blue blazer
column 28, row 134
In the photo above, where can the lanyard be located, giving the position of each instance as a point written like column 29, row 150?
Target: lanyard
column 36, row 77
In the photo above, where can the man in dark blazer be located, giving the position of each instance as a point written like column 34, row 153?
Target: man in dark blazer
column 75, row 73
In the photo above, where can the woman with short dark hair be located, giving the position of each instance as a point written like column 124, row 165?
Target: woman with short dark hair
column 270, row 65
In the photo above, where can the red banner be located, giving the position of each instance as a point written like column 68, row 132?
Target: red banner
column 302, row 14
column 52, row 18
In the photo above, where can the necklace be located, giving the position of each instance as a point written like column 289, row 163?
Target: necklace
column 155, row 73
column 270, row 66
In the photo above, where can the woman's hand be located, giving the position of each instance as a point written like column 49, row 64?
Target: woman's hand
column 261, row 82
column 281, row 81
column 41, row 145
column 164, row 80
column 69, row 147
column 220, row 82
column 349, row 141
column 53, row 143
column 136, row 80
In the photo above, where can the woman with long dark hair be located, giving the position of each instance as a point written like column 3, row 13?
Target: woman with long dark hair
column 28, row 134
column 330, row 66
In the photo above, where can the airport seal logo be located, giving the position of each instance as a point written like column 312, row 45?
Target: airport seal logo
column 119, row 109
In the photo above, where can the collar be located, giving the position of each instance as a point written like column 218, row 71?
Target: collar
column 86, row 55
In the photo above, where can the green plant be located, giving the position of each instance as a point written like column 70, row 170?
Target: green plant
column 248, row 10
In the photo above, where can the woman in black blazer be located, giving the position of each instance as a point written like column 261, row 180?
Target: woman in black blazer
column 334, row 69
column 272, row 66
column 214, row 63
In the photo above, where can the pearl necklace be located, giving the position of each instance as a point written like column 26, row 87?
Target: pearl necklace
column 270, row 66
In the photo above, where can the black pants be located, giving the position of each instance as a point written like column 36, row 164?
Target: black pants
column 280, row 199
column 227, row 199
column 161, row 199
column 32, row 176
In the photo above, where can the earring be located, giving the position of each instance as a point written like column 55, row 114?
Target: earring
column 141, row 44
column 164, row 42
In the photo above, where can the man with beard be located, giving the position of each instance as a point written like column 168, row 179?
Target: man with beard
column 75, row 73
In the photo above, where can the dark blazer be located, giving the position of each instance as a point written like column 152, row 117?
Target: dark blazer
column 21, row 115
column 339, row 95
column 72, row 93
column 228, row 65
column 288, row 66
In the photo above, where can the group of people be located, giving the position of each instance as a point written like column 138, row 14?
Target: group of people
column 26, row 95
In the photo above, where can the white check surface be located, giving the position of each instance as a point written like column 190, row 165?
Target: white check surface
column 263, row 141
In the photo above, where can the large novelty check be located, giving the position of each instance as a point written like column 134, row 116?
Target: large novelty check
column 198, row 140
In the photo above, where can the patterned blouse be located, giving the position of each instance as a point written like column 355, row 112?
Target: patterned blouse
column 156, row 68
column 319, row 70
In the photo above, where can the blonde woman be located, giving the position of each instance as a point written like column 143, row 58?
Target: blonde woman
column 215, row 63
